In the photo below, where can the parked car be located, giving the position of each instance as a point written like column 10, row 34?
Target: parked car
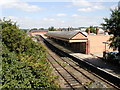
column 112, row 56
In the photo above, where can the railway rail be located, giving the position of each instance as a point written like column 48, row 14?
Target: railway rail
column 76, row 67
column 90, row 75
column 71, row 80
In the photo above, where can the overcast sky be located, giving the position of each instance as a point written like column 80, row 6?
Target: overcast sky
column 57, row 13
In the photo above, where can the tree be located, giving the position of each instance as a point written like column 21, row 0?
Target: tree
column 12, row 36
column 112, row 26
column 34, row 29
column 7, row 23
column 92, row 29
column 51, row 28
column 41, row 28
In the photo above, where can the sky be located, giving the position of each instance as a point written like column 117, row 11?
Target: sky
column 58, row 13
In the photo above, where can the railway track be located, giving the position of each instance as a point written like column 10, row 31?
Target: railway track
column 73, row 80
column 80, row 73
column 90, row 75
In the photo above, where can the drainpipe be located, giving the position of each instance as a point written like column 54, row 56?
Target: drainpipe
column 87, row 47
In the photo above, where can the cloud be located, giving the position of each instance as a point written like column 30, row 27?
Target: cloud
column 61, row 14
column 114, row 6
column 85, row 21
column 87, row 6
column 21, row 6
column 85, row 9
column 81, row 3
column 48, row 19
column 29, row 22
column 75, row 15
column 63, row 21
column 3, row 2
column 98, row 6
column 94, row 7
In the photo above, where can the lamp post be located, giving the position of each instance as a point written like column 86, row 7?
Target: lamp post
column 105, row 45
column 104, row 53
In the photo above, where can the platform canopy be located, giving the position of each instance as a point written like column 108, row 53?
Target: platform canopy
column 71, row 36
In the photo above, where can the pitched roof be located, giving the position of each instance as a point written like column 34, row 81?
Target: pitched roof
column 63, row 34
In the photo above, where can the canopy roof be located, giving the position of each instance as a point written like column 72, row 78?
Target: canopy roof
column 64, row 34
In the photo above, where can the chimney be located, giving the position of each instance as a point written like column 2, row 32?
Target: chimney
column 68, row 28
column 88, row 31
column 97, row 31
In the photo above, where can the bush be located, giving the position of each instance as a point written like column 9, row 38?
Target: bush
column 21, row 74
column 112, row 57
column 23, row 61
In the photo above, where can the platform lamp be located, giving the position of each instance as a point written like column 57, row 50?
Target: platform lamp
column 106, row 44
column 104, row 53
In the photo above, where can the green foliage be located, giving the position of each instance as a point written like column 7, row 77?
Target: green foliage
column 13, row 38
column 51, row 28
column 41, row 28
column 17, row 40
column 23, row 74
column 23, row 61
column 7, row 23
column 112, row 25
column 0, row 63
column 34, row 29
column 92, row 29
column 15, row 74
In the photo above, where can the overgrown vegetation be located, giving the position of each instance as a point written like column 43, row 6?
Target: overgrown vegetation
column 23, row 61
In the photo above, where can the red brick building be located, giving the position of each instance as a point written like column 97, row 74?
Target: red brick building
column 81, row 43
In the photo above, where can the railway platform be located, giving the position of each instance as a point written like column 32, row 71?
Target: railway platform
column 97, row 62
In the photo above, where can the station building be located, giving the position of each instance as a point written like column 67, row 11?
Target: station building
column 81, row 42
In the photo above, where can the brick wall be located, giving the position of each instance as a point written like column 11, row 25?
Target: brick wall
column 78, row 36
column 96, row 43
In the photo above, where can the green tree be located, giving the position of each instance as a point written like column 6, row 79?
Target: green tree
column 112, row 26
column 7, row 23
column 92, row 29
column 51, row 28
column 34, row 29
column 14, row 38
column 41, row 28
